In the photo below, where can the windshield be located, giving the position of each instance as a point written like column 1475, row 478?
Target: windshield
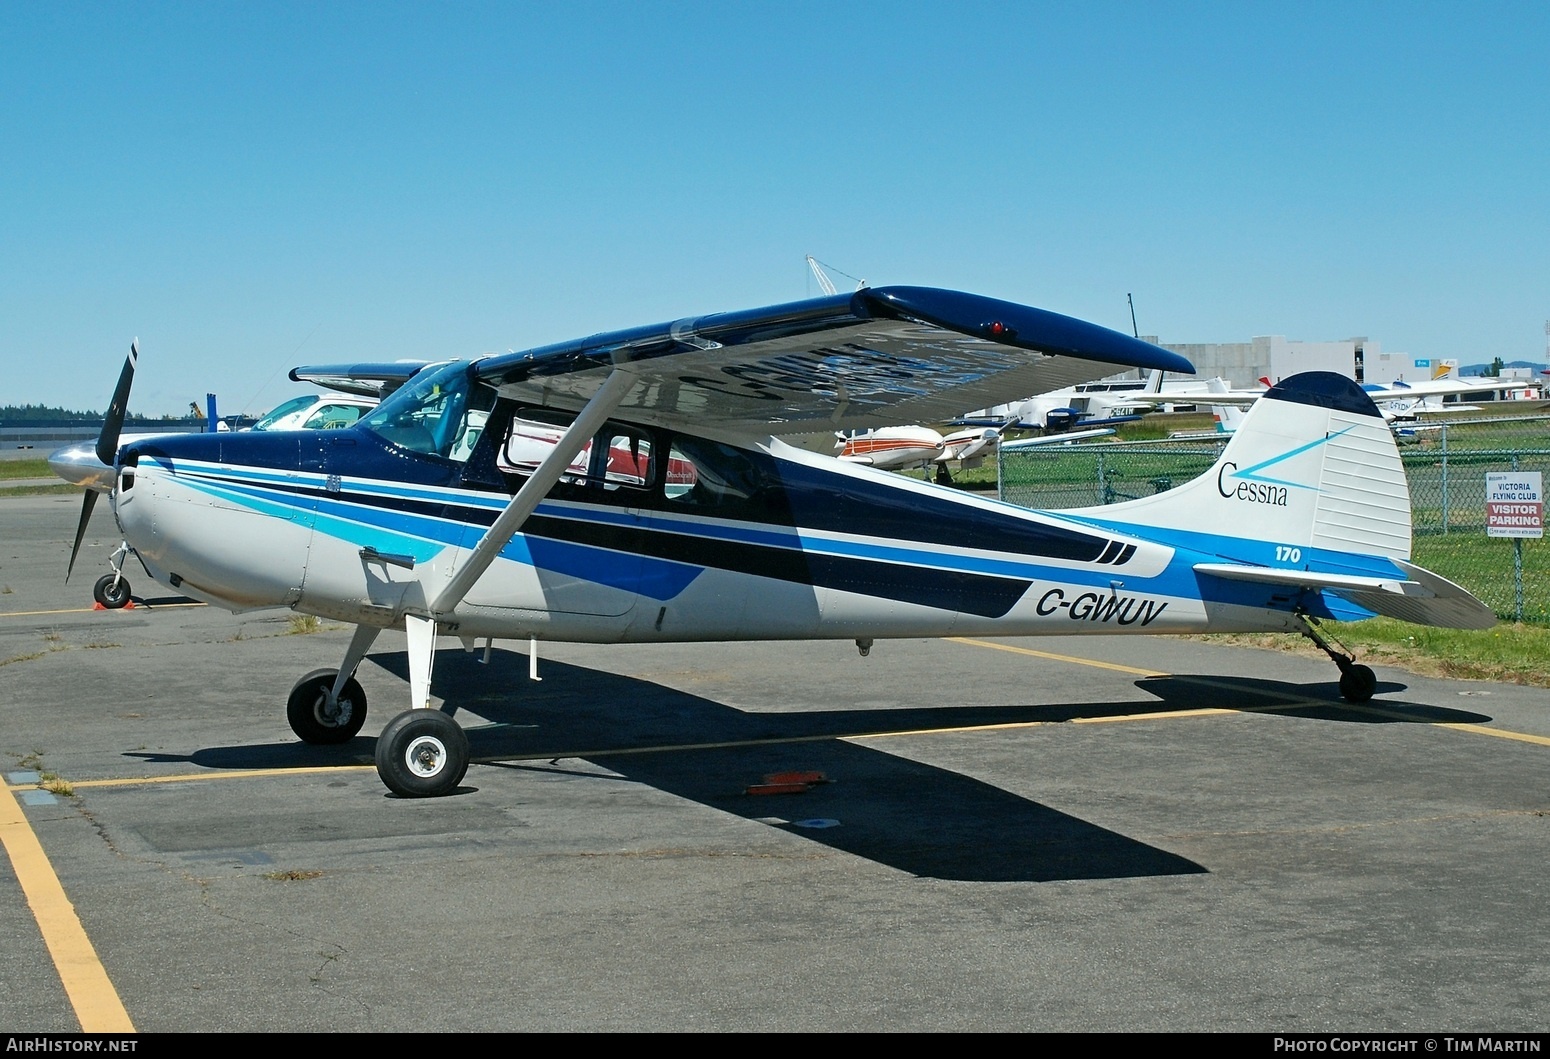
column 433, row 413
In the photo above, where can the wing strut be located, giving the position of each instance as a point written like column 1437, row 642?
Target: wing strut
column 608, row 397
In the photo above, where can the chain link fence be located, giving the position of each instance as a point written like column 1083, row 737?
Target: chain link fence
column 1445, row 464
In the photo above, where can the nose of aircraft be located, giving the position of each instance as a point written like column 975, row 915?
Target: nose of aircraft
column 223, row 518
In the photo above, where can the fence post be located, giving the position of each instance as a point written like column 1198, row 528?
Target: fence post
column 1517, row 566
column 1445, row 479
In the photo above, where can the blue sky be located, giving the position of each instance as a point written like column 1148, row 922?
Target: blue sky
column 247, row 187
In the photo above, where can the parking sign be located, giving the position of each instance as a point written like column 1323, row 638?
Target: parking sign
column 1514, row 504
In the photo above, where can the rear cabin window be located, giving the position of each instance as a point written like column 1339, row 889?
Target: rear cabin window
column 717, row 479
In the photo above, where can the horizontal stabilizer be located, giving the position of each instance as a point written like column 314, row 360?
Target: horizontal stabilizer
column 1310, row 580
column 1422, row 597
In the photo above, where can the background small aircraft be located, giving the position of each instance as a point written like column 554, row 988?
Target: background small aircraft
column 1081, row 406
column 315, row 411
column 1400, row 403
column 901, row 448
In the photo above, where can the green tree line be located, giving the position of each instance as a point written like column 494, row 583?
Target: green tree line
column 17, row 414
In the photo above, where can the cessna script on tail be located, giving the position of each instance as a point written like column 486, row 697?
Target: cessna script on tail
column 664, row 505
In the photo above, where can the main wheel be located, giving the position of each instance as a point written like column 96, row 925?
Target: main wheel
column 422, row 754
column 1357, row 683
column 314, row 720
column 111, row 590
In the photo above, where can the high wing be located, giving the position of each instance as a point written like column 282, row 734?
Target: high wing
column 368, row 380
column 1065, row 438
column 876, row 357
column 1392, row 392
column 873, row 358
column 1398, row 401
column 1429, row 388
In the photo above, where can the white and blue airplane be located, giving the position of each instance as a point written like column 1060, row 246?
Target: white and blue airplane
column 664, row 505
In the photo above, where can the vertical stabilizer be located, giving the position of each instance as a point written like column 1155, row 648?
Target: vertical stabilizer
column 1312, row 465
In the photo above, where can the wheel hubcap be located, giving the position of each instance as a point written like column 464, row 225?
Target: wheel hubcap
column 426, row 756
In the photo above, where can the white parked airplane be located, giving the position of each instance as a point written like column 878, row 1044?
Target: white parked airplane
column 1400, row 403
column 895, row 447
column 315, row 411
column 900, row 448
column 1083, row 405
column 718, row 530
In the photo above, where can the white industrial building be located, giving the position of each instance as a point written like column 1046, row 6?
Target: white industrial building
column 1276, row 357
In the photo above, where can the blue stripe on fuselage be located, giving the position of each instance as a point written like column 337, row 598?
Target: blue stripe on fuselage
column 659, row 554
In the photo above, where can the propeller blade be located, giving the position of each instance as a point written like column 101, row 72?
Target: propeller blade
column 107, row 441
column 80, row 529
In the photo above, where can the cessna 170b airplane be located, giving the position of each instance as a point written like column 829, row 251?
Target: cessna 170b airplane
column 667, row 507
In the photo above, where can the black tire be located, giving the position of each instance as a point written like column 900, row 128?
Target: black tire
column 1357, row 683
column 422, row 754
column 312, row 720
column 110, row 595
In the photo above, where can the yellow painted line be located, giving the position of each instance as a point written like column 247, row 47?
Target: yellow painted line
column 96, row 1003
column 1500, row 733
column 241, row 774
column 1009, row 725
column 94, row 610
column 1157, row 715
column 40, row 613
column 1058, row 658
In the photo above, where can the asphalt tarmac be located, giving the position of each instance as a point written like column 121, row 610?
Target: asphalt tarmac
column 1056, row 834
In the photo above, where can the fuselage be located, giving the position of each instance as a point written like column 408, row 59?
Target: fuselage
column 683, row 538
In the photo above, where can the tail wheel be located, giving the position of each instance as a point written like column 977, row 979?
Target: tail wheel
column 111, row 590
column 422, row 754
column 316, row 720
column 1357, row 683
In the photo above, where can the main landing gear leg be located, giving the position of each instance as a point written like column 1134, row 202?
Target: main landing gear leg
column 1357, row 682
column 422, row 752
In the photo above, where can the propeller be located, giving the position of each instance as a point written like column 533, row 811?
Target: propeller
column 107, row 443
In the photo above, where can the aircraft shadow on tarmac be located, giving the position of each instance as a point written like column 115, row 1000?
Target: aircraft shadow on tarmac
column 914, row 817
column 1311, row 701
